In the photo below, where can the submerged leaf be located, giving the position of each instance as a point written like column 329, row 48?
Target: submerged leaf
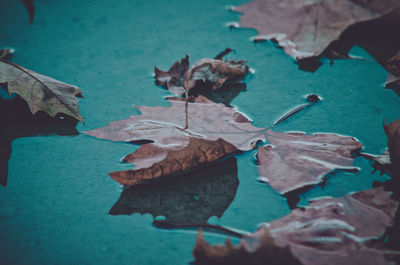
column 192, row 197
column 294, row 160
column 42, row 93
column 332, row 231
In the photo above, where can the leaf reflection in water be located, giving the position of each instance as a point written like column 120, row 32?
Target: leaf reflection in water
column 193, row 197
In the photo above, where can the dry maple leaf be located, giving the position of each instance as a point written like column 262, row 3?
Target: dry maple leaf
column 293, row 161
column 164, row 126
column 153, row 162
column 42, row 93
column 305, row 28
column 331, row 231
column 194, row 197
column 203, row 74
column 173, row 78
column 216, row 131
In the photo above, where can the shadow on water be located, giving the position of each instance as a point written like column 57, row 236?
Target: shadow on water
column 191, row 198
column 225, row 95
column 17, row 121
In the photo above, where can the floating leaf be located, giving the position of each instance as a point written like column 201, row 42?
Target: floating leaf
column 173, row 78
column 42, row 93
column 164, row 126
column 306, row 29
column 332, row 231
column 196, row 196
column 203, row 75
column 293, row 161
column 153, row 162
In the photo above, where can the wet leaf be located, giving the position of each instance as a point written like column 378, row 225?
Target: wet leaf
column 294, row 161
column 306, row 29
column 206, row 74
column 192, row 197
column 214, row 72
column 42, row 93
column 173, row 78
column 164, row 126
column 153, row 162
column 328, row 231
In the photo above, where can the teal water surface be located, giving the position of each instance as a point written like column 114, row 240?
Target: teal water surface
column 55, row 207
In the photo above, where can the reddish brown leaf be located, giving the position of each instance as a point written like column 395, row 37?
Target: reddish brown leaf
column 164, row 126
column 294, row 160
column 307, row 28
column 6, row 54
column 204, row 73
column 173, row 78
column 328, row 231
column 153, row 162
column 192, row 197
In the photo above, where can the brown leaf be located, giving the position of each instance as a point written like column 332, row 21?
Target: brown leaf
column 304, row 28
column 215, row 72
column 42, row 93
column 164, row 126
column 328, row 231
column 205, row 73
column 192, row 197
column 153, row 162
column 293, row 161
column 173, row 78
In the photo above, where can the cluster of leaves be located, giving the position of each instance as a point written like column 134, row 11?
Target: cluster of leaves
column 346, row 230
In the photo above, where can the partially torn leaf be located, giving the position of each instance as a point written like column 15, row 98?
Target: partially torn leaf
column 164, row 126
column 205, row 73
column 153, row 162
column 332, row 231
column 173, row 78
column 192, row 197
column 294, row 161
column 307, row 29
column 215, row 72
column 42, row 93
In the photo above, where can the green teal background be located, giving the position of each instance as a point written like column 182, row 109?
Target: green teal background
column 54, row 208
